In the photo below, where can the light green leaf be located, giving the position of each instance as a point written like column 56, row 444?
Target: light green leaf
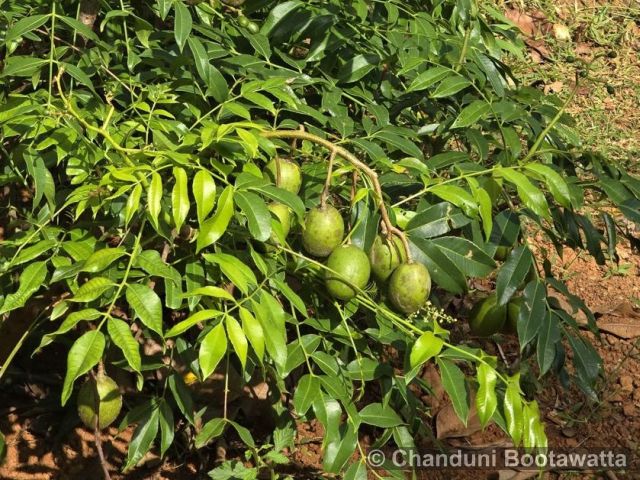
column 471, row 114
column 92, row 289
column 307, row 390
column 180, row 197
column 212, row 229
column 557, row 185
column 133, row 203
column 31, row 279
column 426, row 347
column 513, row 410
column 147, row 306
column 454, row 384
column 212, row 350
column 154, row 196
column 486, row 400
column 143, row 436
column 237, row 338
column 198, row 317
column 527, row 191
column 380, row 416
column 253, row 331
column 257, row 213
column 101, row 259
column 83, row 355
column 120, row 333
column 182, row 25
column 212, row 429
column 204, row 191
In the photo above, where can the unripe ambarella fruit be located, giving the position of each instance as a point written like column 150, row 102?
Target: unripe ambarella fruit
column 283, row 215
column 99, row 396
column 513, row 311
column 487, row 317
column 323, row 231
column 409, row 287
column 385, row 255
column 349, row 271
column 290, row 175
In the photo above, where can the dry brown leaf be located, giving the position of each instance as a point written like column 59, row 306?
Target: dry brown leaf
column 528, row 24
column 437, row 398
column 515, row 475
column 624, row 327
column 448, row 425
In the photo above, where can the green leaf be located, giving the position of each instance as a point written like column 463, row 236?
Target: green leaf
column 379, row 415
column 442, row 270
column 133, row 203
column 180, row 197
column 428, row 78
column 194, row 319
column 154, row 197
column 253, row 330
column 277, row 14
column 426, row 347
column 204, row 191
column 212, row 350
column 215, row 81
column 454, row 384
column 458, row 196
column 18, row 66
column 513, row 273
column 212, row 429
column 24, row 25
column 244, row 434
column 556, row 184
column 120, row 333
column 167, row 427
column 182, row 396
column 471, row 114
column 450, row 86
column 307, row 390
column 548, row 338
column 83, row 355
column 532, row 197
column 285, row 197
column 92, row 289
column 531, row 313
column 210, row 291
column 33, row 252
column 585, row 358
column 182, row 25
column 3, row 448
column 257, row 213
column 143, row 436
column 147, row 306
column 358, row 67
column 234, row 269
column 513, row 410
column 486, row 400
column 272, row 318
column 31, row 279
column 467, row 256
column 101, row 259
column 237, row 338
column 212, row 229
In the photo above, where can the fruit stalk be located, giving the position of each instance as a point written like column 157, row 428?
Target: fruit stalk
column 348, row 156
column 327, row 183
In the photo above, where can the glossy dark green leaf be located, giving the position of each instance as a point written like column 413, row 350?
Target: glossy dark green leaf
column 532, row 312
column 548, row 337
column 513, row 273
column 471, row 114
column 380, row 416
column 454, row 384
column 466, row 256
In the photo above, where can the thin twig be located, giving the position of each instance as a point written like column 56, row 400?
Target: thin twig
column 373, row 176
column 327, row 183
column 98, row 441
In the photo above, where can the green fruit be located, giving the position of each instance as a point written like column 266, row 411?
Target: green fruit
column 502, row 253
column 385, row 255
column 487, row 317
column 611, row 89
column 243, row 21
column 290, row 175
column 513, row 310
column 253, row 27
column 323, row 231
column 409, row 287
column 348, row 268
column 99, row 396
column 283, row 215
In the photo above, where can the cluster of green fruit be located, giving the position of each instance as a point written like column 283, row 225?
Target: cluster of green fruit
column 349, row 267
column 99, row 401
column 488, row 317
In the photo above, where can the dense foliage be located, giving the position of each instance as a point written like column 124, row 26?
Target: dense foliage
column 137, row 202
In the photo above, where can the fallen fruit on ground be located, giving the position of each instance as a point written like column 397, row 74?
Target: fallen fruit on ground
column 385, row 256
column 323, row 231
column 409, row 287
column 487, row 317
column 349, row 271
column 290, row 175
column 100, row 396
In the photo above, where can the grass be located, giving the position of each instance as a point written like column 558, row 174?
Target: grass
column 608, row 122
